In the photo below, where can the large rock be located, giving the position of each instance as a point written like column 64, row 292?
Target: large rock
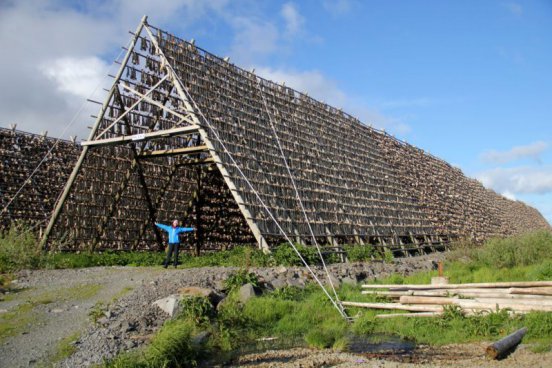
column 278, row 283
column 169, row 304
column 195, row 291
column 246, row 292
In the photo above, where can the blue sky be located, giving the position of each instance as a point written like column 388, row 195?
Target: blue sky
column 469, row 81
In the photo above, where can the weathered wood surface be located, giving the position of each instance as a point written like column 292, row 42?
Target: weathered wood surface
column 493, row 285
column 502, row 347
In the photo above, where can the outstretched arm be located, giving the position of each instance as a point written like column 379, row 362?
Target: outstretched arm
column 185, row 229
column 161, row 226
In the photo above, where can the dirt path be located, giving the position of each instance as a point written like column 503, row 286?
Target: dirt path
column 52, row 309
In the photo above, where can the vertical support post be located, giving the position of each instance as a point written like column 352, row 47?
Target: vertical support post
column 199, row 207
column 76, row 169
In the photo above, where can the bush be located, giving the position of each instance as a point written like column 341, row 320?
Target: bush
column 18, row 249
column 360, row 253
column 239, row 278
column 198, row 309
column 284, row 254
column 520, row 250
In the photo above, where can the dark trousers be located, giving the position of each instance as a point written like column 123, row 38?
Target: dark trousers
column 173, row 247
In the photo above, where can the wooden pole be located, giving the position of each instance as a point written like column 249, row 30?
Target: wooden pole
column 408, row 315
column 395, row 306
column 532, row 291
column 76, row 169
column 502, row 347
column 519, row 284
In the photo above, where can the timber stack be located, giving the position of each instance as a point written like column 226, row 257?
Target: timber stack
column 474, row 298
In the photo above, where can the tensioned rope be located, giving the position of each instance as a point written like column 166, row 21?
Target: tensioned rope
column 235, row 164
column 270, row 119
column 230, row 156
column 67, row 126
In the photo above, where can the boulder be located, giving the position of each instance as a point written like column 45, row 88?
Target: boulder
column 211, row 294
column 246, row 292
column 277, row 283
column 169, row 304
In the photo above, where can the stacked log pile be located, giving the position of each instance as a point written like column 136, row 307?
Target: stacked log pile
column 430, row 300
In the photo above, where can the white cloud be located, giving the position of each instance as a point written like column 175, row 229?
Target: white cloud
column 77, row 76
column 518, row 180
column 321, row 88
column 254, row 39
column 532, row 151
column 294, row 21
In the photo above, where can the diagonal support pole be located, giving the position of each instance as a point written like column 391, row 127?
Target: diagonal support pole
column 76, row 169
column 225, row 174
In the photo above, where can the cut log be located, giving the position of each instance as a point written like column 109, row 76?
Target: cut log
column 532, row 291
column 477, row 304
column 467, row 304
column 505, row 301
column 395, row 306
column 409, row 299
column 420, row 314
column 502, row 347
column 398, row 294
column 514, row 284
column 501, row 295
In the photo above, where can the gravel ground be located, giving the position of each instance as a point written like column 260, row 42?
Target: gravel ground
column 59, row 302
column 465, row 355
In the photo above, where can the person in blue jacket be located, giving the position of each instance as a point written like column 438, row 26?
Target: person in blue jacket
column 174, row 240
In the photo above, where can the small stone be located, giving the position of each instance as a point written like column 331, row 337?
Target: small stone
column 280, row 269
column 57, row 310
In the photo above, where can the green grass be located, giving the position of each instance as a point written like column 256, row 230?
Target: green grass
column 64, row 349
column 17, row 320
column 19, row 250
column 306, row 317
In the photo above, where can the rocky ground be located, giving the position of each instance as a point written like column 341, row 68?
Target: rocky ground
column 108, row 310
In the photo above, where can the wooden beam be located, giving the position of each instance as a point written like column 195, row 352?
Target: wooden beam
column 141, row 137
column 174, row 151
column 197, row 161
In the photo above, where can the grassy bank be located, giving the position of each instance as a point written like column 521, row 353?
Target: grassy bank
column 19, row 250
column 306, row 316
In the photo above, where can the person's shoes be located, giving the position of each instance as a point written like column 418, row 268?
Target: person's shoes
column 164, row 266
column 175, row 266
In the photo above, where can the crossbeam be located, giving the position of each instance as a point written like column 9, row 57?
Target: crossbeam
column 144, row 136
column 174, row 151
column 197, row 161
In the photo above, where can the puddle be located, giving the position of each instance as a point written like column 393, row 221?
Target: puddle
column 374, row 344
